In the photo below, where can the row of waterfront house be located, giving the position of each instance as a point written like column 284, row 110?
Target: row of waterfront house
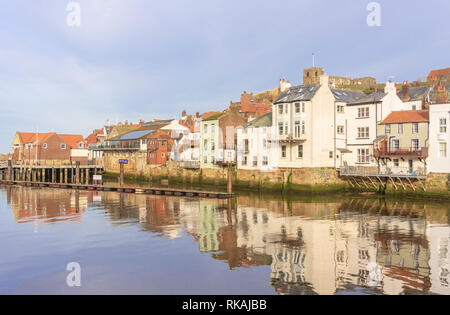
column 397, row 129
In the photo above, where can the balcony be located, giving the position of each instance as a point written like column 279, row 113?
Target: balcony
column 116, row 146
column 401, row 153
column 290, row 138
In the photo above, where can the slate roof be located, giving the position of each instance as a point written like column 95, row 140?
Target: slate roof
column 347, row 96
column 134, row 135
column 157, row 123
column 434, row 90
column 407, row 116
column 416, row 93
column 368, row 99
column 297, row 93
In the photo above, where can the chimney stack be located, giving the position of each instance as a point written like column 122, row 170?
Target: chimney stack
column 324, row 80
column 405, row 92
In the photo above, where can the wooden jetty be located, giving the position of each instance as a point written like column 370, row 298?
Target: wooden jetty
column 124, row 189
column 81, row 177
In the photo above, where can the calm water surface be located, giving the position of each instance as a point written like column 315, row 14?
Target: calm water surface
column 142, row 244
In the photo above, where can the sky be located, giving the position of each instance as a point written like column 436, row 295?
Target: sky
column 145, row 59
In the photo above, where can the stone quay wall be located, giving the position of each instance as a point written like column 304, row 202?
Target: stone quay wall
column 305, row 179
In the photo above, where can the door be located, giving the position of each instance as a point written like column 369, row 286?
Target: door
column 411, row 170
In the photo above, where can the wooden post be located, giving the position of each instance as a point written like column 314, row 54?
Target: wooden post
column 66, row 172
column 87, row 176
column 230, row 179
column 53, row 175
column 121, row 175
column 10, row 170
column 77, row 173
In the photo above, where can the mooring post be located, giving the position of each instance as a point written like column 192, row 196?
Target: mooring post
column 230, row 179
column 121, row 175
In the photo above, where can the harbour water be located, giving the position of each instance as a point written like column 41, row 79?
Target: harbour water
column 252, row 244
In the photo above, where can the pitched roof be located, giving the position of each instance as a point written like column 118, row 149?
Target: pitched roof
column 297, row 93
column 92, row 138
column 439, row 72
column 347, row 96
column 407, row 116
column 263, row 121
column 371, row 98
column 30, row 137
column 207, row 114
column 416, row 93
column 157, row 122
column 214, row 116
column 73, row 140
column 434, row 91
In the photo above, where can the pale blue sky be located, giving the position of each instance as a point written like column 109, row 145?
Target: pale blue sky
column 152, row 59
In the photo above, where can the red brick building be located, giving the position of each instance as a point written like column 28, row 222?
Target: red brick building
column 34, row 148
column 253, row 107
column 159, row 147
column 440, row 76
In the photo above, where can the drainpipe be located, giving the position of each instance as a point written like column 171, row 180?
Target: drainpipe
column 335, row 126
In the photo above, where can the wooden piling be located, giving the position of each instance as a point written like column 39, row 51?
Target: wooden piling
column 77, row 173
column 121, row 175
column 230, row 179
column 9, row 174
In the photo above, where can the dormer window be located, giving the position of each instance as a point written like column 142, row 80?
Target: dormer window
column 81, row 145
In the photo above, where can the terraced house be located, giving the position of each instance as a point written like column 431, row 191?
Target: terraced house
column 402, row 145
column 311, row 125
column 363, row 117
column 255, row 151
column 218, row 137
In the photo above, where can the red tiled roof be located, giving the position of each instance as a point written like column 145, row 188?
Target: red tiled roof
column 30, row 137
column 439, row 72
column 73, row 140
column 91, row 139
column 407, row 116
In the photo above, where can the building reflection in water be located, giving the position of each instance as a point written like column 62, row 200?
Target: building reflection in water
column 321, row 247
column 46, row 206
